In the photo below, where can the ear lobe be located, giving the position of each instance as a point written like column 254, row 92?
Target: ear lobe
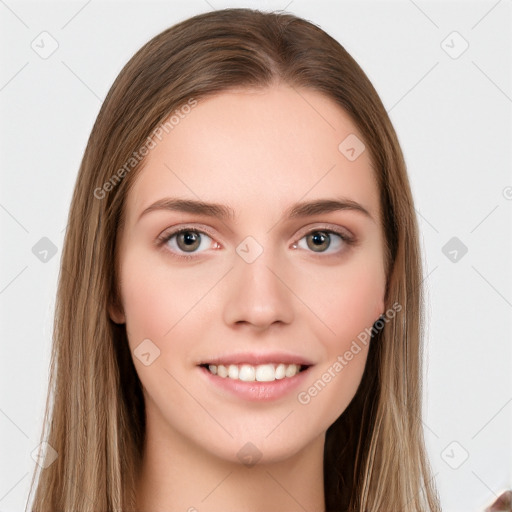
column 116, row 314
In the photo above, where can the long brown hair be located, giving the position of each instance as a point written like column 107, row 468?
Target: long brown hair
column 375, row 459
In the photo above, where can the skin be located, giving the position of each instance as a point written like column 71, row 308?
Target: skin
column 257, row 152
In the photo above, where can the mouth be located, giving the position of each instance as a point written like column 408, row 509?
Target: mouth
column 255, row 376
column 268, row 372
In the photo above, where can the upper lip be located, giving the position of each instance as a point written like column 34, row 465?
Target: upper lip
column 255, row 359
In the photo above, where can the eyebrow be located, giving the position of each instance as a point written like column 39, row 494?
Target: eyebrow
column 298, row 210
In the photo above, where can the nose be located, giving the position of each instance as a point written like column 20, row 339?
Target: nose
column 258, row 295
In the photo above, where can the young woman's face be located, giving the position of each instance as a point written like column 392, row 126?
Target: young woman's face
column 278, row 267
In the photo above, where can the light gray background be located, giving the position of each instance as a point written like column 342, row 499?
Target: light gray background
column 453, row 119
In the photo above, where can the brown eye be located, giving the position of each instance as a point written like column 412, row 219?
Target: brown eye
column 188, row 241
column 326, row 242
column 318, row 241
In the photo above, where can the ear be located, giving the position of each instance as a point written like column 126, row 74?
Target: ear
column 116, row 313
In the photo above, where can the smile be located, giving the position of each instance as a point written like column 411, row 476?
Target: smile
column 255, row 373
column 255, row 376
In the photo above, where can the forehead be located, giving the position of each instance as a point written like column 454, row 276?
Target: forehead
column 279, row 145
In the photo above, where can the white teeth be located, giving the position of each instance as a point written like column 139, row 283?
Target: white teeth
column 291, row 370
column 260, row 373
column 233, row 371
column 280, row 371
column 247, row 373
column 222, row 371
column 265, row 373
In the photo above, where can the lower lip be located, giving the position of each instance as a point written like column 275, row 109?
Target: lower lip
column 256, row 391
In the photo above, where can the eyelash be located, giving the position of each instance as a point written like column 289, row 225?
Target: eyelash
column 166, row 236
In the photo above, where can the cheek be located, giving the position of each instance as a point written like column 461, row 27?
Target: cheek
column 146, row 304
column 160, row 305
column 156, row 298
column 350, row 313
column 347, row 300
column 355, row 305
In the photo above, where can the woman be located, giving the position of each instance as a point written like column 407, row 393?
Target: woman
column 238, row 323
